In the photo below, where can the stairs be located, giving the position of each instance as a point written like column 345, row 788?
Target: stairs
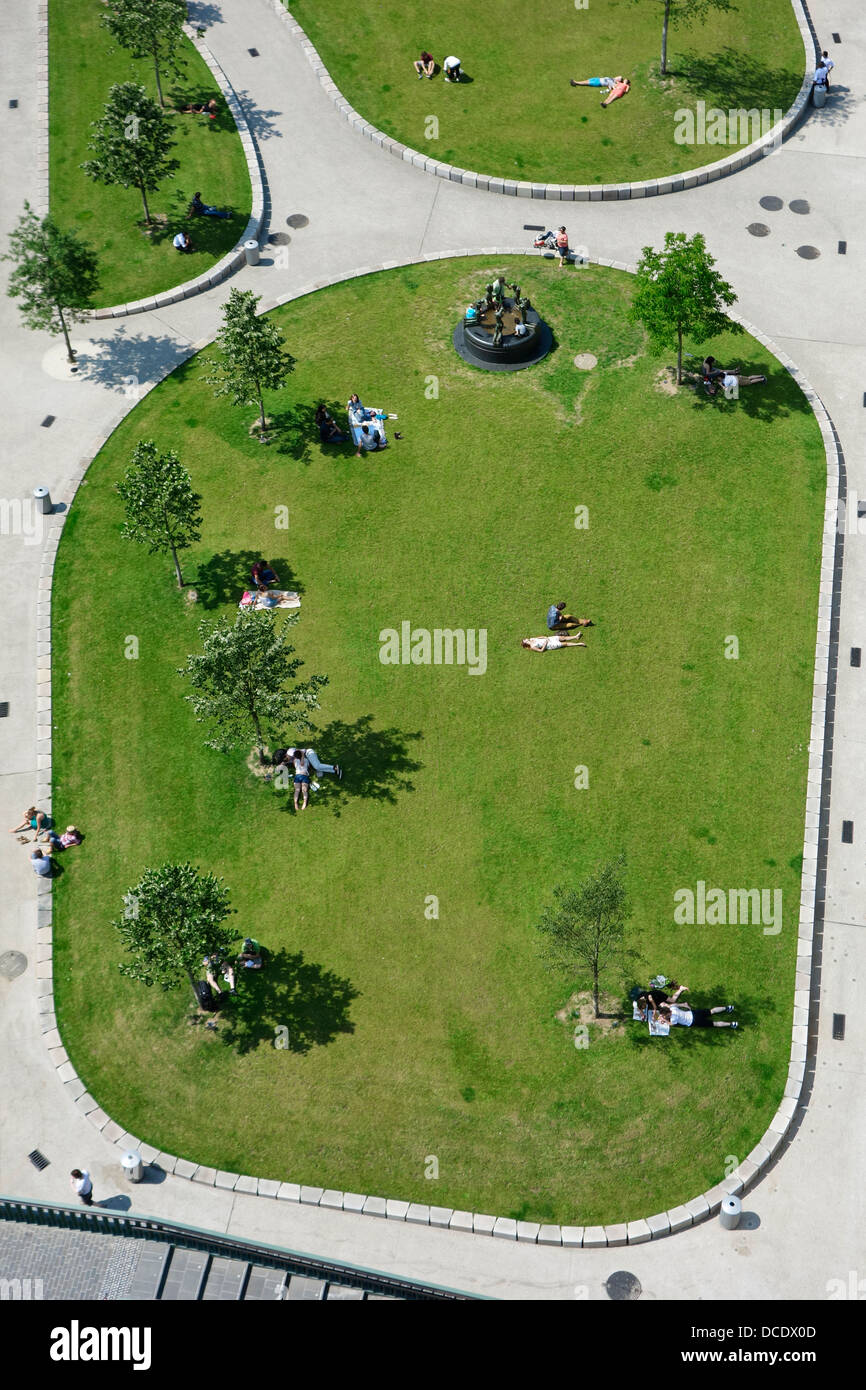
column 173, row 1272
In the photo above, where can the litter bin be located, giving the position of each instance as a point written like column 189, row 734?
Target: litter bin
column 252, row 251
column 730, row 1212
column 819, row 94
column 132, row 1166
column 42, row 498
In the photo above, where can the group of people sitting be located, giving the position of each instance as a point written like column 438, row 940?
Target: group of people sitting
column 560, row 626
column 261, row 595
column 197, row 208
column 299, row 764
column 425, row 66
column 712, row 374
column 367, row 427
column 42, row 826
column 208, row 991
column 660, row 1010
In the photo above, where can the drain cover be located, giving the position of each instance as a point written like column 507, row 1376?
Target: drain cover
column 586, row 361
column 12, row 964
column 297, row 219
column 279, row 238
column 771, row 203
column 758, row 229
column 800, row 205
column 38, row 1160
column 808, row 253
column 623, row 1286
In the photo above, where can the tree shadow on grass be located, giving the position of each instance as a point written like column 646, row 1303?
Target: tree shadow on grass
column 309, row 1001
column 733, row 78
column 127, row 360
column 776, row 399
column 376, row 763
column 224, row 577
column 752, row 1011
column 295, row 431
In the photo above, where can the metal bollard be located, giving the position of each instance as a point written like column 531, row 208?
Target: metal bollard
column 730, row 1212
column 132, row 1166
column 42, row 498
column 252, row 251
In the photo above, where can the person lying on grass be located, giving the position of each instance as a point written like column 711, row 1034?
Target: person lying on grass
column 550, row 644
column 201, row 108
column 621, row 87
column 671, row 1015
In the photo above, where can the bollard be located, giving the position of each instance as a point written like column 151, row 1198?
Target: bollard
column 730, row 1212
column 42, row 498
column 251, row 251
column 819, row 94
column 132, row 1166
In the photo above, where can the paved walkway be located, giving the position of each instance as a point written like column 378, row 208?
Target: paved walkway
column 809, row 1209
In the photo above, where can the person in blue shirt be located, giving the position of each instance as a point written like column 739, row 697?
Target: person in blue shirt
column 41, row 863
column 560, row 621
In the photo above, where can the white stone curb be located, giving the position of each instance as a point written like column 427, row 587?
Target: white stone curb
column 564, row 192
column 233, row 259
column 634, row 1232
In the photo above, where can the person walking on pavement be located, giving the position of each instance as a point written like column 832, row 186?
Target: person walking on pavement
column 82, row 1186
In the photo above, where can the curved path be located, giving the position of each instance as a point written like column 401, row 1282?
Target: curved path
column 809, row 1204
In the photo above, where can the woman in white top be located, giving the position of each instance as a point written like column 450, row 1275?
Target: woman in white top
column 302, row 778
column 551, row 643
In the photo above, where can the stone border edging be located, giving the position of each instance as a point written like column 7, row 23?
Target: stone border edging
column 579, row 193
column 233, row 259
column 588, row 1237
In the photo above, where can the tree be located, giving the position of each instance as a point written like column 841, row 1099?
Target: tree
column 149, row 29
column 162, row 511
column 686, row 12
column 56, row 274
column 254, row 356
column 240, row 681
column 678, row 291
column 131, row 142
column 586, row 925
column 173, row 918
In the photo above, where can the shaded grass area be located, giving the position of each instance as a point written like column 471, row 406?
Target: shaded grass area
column 134, row 262
column 409, row 1034
column 519, row 118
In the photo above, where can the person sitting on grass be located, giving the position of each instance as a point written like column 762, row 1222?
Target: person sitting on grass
column 31, row 820
column 42, row 865
column 250, row 957
column 199, row 209
column 670, row 1015
column 213, row 965
column 558, row 620
column 710, row 372
column 425, row 66
column 550, row 644
column 369, row 441
column 261, row 573
column 70, row 837
column 201, row 108
column 329, row 430
column 621, row 87
column 452, row 70
column 182, row 242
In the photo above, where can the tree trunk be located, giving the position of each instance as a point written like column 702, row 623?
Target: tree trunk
column 70, row 355
column 190, row 977
column 176, row 565
column 260, row 738
column 679, row 355
column 665, row 21
column 158, row 83
column 595, row 990
column 261, row 415
column 144, row 200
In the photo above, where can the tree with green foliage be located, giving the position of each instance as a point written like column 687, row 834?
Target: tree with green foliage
column 685, row 12
column 241, row 680
column 677, row 291
column 254, row 355
column 55, row 277
column 150, row 29
column 131, row 142
column 173, row 918
column 162, row 510
column 586, row 926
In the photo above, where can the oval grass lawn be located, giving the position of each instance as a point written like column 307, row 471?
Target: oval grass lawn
column 518, row 118
column 84, row 63
column 410, row 1035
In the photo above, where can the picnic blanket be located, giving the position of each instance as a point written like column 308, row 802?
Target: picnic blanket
column 283, row 598
column 374, row 418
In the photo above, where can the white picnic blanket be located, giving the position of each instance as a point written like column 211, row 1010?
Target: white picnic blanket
column 275, row 598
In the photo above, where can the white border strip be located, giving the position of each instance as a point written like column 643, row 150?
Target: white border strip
column 622, row 1233
column 233, row 259
column 595, row 193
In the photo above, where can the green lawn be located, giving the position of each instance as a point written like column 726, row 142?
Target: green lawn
column 83, row 64
column 413, row 1037
column 518, row 117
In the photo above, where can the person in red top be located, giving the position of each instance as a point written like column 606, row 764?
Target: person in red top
column 425, row 65
column 621, row 86
column 562, row 246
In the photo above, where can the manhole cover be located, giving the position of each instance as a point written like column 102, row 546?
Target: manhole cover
column 297, row 219
column 12, row 964
column 800, row 205
column 808, row 253
column 758, row 229
column 279, row 238
column 623, row 1286
column 585, row 361
column 771, row 203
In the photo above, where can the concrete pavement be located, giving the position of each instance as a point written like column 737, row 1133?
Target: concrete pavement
column 318, row 167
